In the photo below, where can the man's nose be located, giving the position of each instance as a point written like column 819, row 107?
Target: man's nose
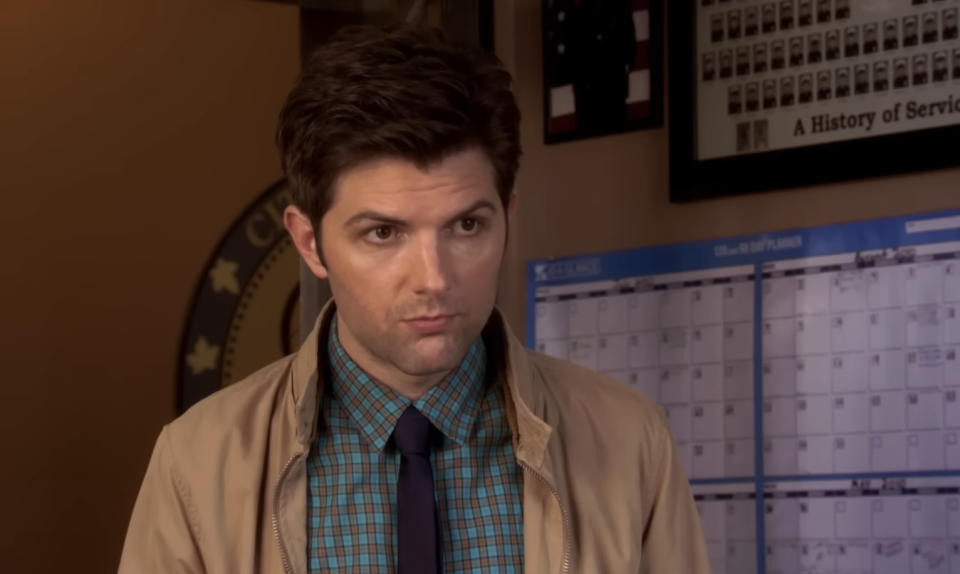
column 430, row 272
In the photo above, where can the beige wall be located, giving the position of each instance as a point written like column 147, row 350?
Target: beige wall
column 131, row 133
column 612, row 192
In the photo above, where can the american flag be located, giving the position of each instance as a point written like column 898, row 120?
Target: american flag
column 562, row 101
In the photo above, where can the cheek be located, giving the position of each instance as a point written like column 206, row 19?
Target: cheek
column 479, row 271
column 359, row 288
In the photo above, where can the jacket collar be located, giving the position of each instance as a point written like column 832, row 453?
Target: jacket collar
column 530, row 433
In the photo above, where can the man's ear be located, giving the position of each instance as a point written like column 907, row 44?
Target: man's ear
column 305, row 239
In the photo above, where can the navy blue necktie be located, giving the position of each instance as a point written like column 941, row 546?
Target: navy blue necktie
column 418, row 531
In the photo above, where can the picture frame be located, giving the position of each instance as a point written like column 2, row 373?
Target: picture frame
column 602, row 67
column 837, row 93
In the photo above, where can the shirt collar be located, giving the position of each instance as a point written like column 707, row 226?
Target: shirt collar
column 451, row 405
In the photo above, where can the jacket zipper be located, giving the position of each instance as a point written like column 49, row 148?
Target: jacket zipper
column 565, row 562
column 284, row 558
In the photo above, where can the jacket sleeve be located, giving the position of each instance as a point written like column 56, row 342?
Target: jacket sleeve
column 163, row 532
column 672, row 539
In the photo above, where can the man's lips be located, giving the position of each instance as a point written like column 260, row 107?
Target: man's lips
column 430, row 323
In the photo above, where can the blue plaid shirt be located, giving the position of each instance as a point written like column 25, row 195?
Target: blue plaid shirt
column 352, row 471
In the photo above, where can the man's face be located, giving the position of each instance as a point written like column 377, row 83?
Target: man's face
column 413, row 260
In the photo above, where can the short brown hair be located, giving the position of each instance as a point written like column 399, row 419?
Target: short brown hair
column 398, row 91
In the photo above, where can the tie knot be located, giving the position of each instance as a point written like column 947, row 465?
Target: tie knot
column 412, row 433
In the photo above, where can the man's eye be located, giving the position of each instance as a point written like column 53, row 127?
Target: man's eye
column 382, row 233
column 469, row 225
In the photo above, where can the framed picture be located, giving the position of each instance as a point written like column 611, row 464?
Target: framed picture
column 603, row 67
column 772, row 94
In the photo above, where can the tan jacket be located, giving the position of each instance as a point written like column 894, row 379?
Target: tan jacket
column 603, row 490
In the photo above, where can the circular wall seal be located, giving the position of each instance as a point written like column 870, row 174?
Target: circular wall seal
column 245, row 309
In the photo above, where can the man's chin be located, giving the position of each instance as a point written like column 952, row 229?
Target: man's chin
column 425, row 362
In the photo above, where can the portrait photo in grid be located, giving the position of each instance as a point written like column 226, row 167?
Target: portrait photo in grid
column 851, row 42
column 786, row 14
column 726, row 63
column 743, row 60
column 910, row 36
column 950, row 24
column 941, row 72
column 787, row 95
column 814, row 48
column 871, row 42
column 833, row 44
column 881, row 79
column 769, row 94
column 842, row 82
column 805, row 12
column 759, row 58
column 920, row 70
column 806, row 88
column 901, row 75
column 824, row 85
column 733, row 24
column 891, row 34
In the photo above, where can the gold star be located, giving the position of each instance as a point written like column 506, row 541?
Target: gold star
column 204, row 356
column 224, row 277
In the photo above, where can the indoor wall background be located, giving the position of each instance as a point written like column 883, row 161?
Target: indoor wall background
column 612, row 192
column 132, row 132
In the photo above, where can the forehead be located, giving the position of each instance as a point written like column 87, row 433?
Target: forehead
column 390, row 181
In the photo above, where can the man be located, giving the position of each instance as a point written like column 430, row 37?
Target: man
column 824, row 11
column 760, row 58
column 805, row 12
column 814, row 48
column 733, row 24
column 853, row 42
column 412, row 432
column 726, row 63
column 842, row 82
column 786, row 14
column 769, row 94
column 734, row 103
column 891, row 30
column 881, row 80
column 824, row 85
column 769, row 17
column 871, row 41
column 786, row 91
column 833, row 44
column 709, row 66
column 940, row 67
column 778, row 57
column 861, row 79
column 900, row 77
column 796, row 51
column 806, row 88
column 752, row 21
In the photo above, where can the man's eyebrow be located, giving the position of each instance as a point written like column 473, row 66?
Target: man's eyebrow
column 479, row 204
column 374, row 216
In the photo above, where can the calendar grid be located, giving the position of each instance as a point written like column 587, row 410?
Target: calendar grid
column 802, row 373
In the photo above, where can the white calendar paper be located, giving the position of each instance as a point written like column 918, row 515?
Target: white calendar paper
column 811, row 381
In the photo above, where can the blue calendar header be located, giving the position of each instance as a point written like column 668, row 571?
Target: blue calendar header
column 748, row 249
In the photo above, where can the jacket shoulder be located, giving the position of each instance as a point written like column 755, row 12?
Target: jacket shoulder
column 241, row 407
